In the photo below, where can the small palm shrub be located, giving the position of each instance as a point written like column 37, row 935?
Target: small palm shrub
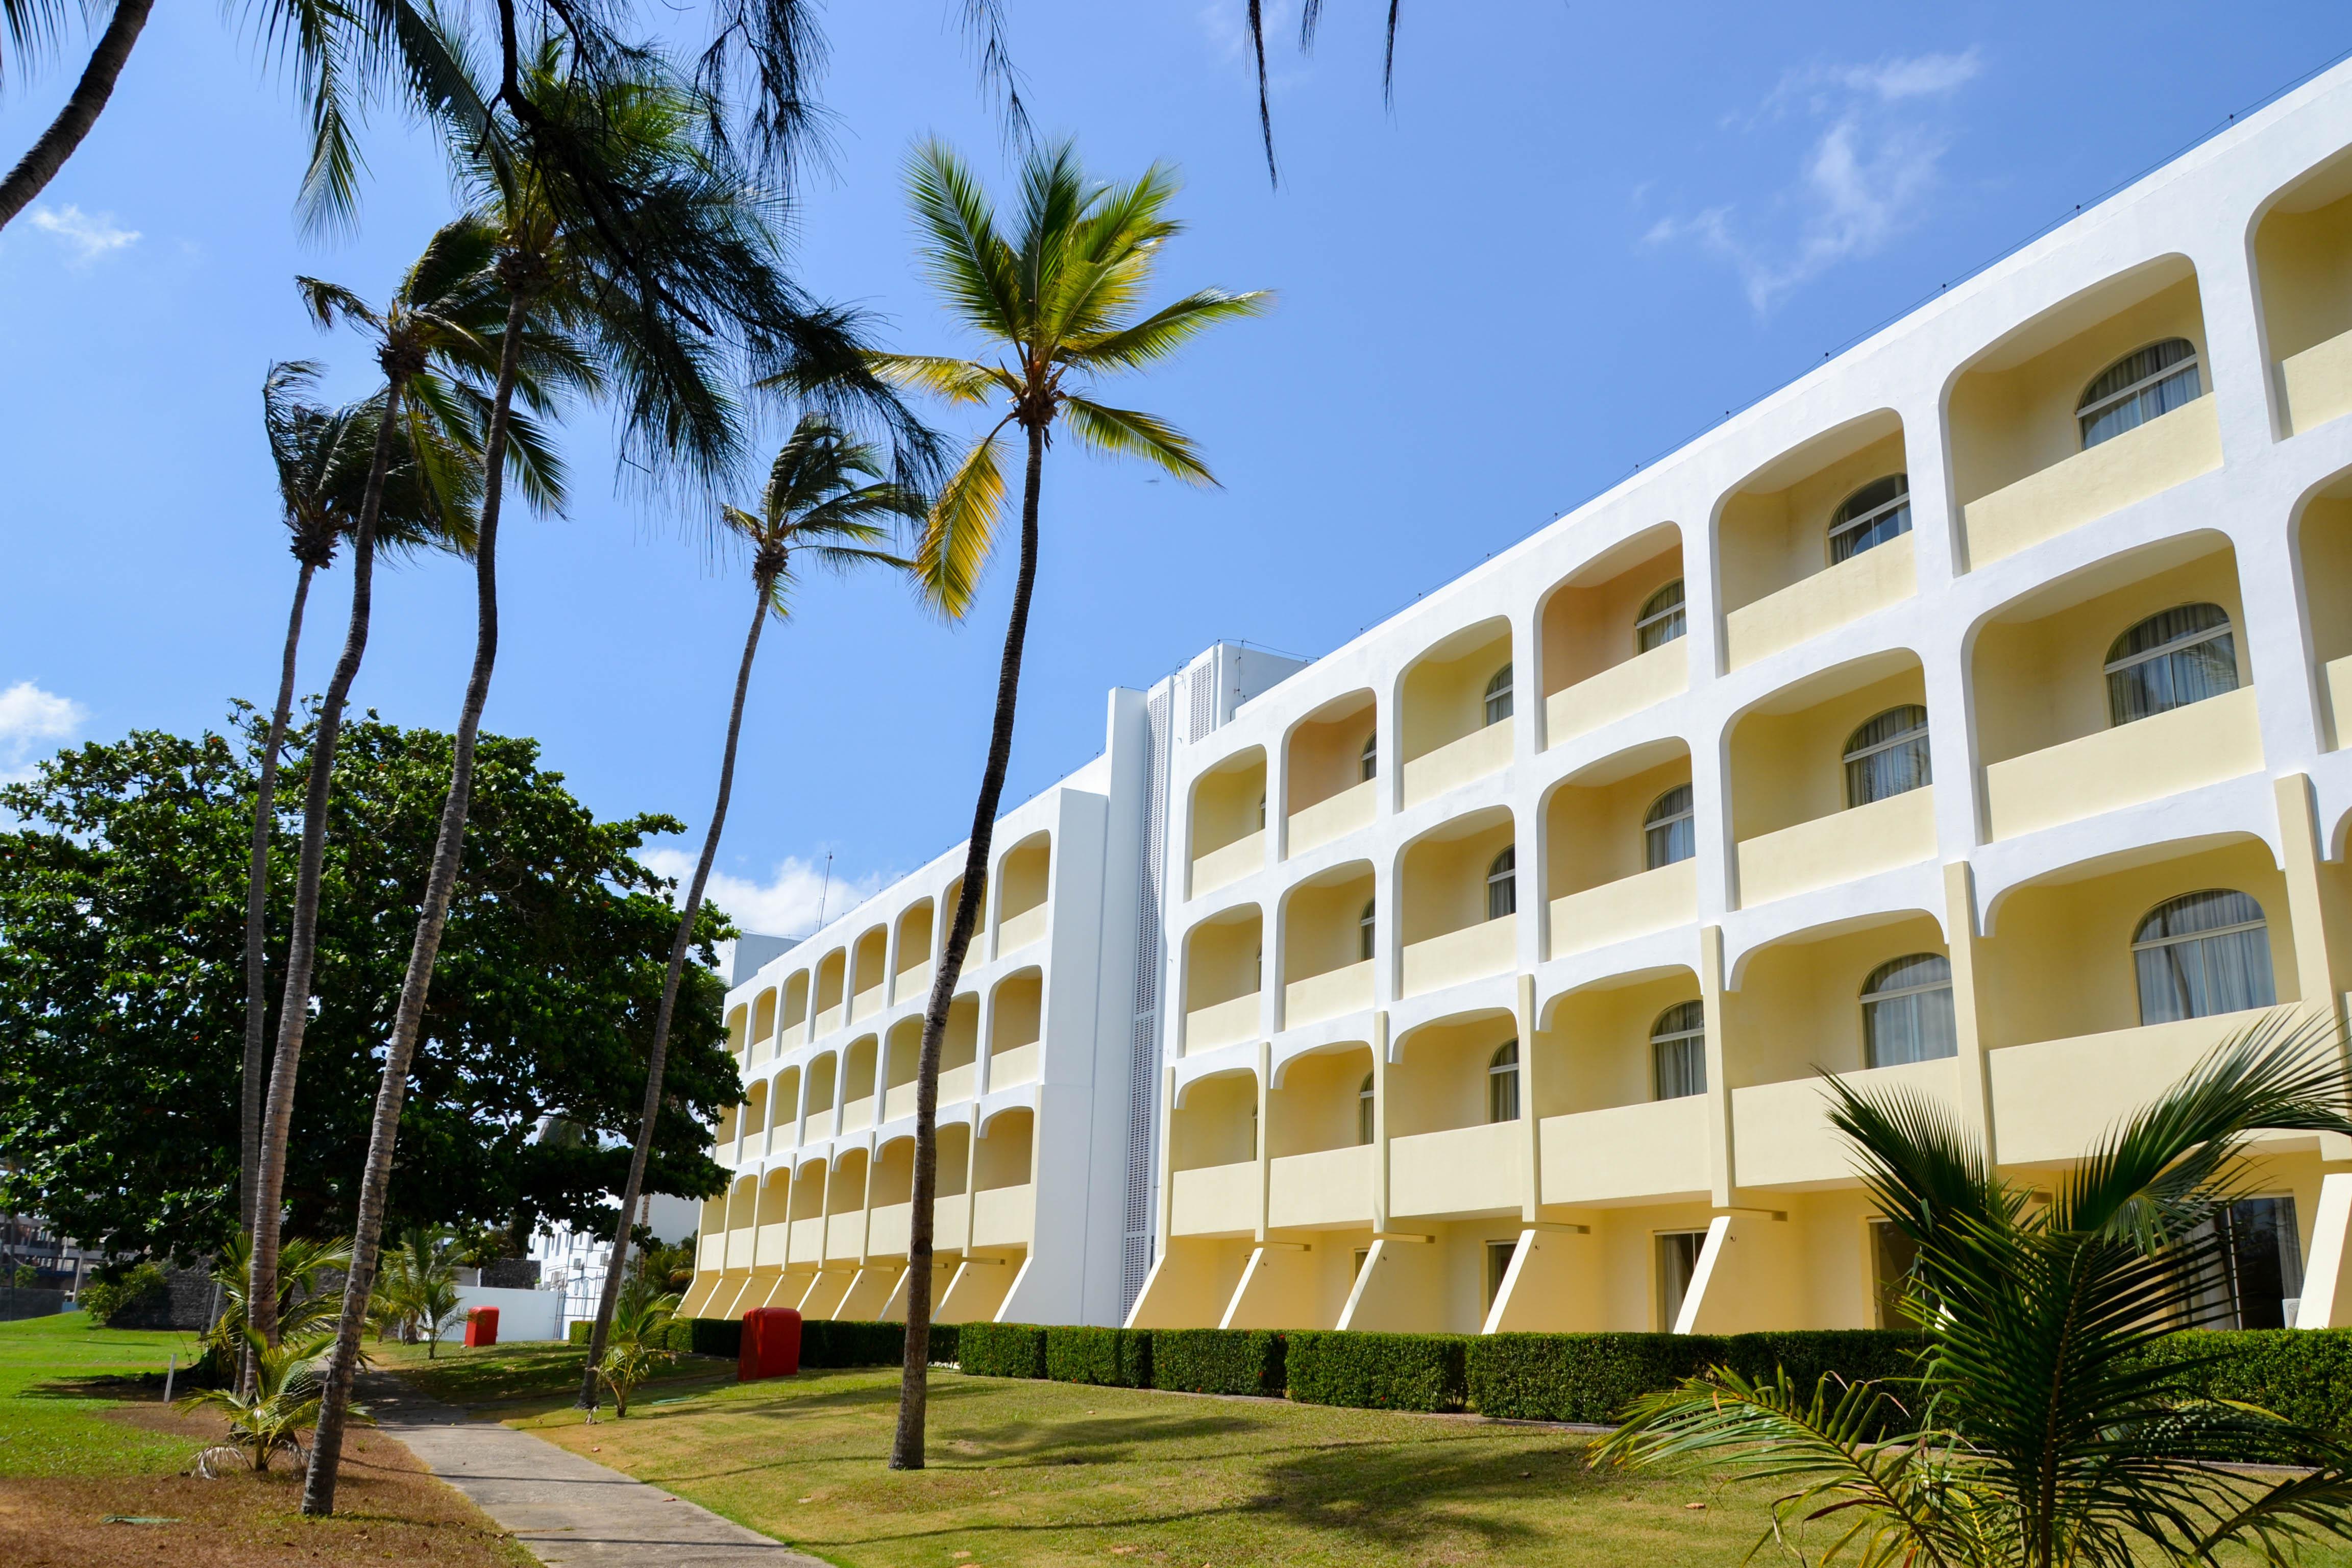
column 415, row 1294
column 270, row 1417
column 640, row 1341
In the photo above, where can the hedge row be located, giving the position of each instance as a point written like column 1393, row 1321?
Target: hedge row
column 2303, row 1374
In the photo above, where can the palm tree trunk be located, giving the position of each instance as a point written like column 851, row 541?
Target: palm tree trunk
column 657, row 1056
column 40, row 165
column 301, row 945
column 255, row 1080
column 448, row 848
column 914, row 1381
column 257, row 911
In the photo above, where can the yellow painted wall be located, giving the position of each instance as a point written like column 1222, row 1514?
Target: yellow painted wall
column 2006, row 423
column 2059, row 962
column 1594, row 1050
column 1226, row 803
column 1771, row 538
column 1214, row 1123
column 894, row 1172
column 1221, row 960
column 1327, row 754
column 2304, row 261
column 1594, row 835
column 954, row 1160
column 1026, row 873
column 1002, row 1158
column 795, row 1022
column 1015, row 1020
column 1322, row 929
column 1444, row 700
column 869, row 951
column 915, row 937
column 1798, row 1004
column 1444, row 882
column 1588, row 627
column 1439, row 1078
column 2326, row 544
column 831, row 970
column 1315, row 1106
column 824, row 1076
column 1788, row 768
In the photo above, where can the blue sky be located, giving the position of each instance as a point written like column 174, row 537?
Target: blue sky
column 1581, row 235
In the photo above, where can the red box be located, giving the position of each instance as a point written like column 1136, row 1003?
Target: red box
column 771, row 1344
column 481, row 1326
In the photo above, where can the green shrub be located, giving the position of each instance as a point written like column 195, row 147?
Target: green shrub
column 112, row 1288
column 578, row 1332
column 1002, row 1350
column 1218, row 1361
column 711, row 1336
column 829, row 1341
column 1377, row 1371
column 946, row 1339
column 1857, row 1355
column 2303, row 1374
column 1578, row 1377
column 1119, row 1358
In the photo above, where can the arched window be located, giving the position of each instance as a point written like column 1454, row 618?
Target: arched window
column 1906, row 1010
column 1498, row 695
column 1678, row 1047
column 1667, row 833
column 1364, row 1111
column 1367, row 764
column 1887, row 756
column 1503, row 1083
column 2204, row 953
column 1870, row 517
column 2183, row 654
column 1364, row 931
column 2137, row 387
column 1661, row 620
column 1502, row 884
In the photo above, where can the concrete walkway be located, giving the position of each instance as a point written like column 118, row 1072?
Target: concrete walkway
column 566, row 1508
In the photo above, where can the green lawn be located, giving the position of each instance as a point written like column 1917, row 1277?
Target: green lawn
column 50, row 1423
column 1052, row 1474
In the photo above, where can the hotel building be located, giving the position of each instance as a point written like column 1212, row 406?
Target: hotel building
column 1967, row 716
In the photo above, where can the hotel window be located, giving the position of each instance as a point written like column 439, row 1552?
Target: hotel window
column 2137, row 387
column 1364, row 933
column 1367, row 764
column 2252, row 1274
column 1667, row 833
column 2184, row 655
column 1678, row 1255
column 1870, row 517
column 1893, row 1256
column 1887, row 756
column 1661, row 620
column 1498, row 695
column 2204, row 953
column 1503, row 885
column 1498, row 1268
column 1503, row 1083
column 1906, row 1010
column 1364, row 1110
column 1678, row 1050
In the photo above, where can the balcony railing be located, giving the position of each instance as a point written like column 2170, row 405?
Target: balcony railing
column 1642, row 681
column 2316, row 385
column 844, row 1236
column 1473, row 953
column 1004, row 1217
column 2123, row 468
column 2148, row 759
column 1630, row 906
column 1333, row 816
column 808, row 1239
column 1013, row 1067
column 913, row 982
column 2054, row 1099
column 957, row 1084
column 1015, row 932
column 1228, row 863
column 1840, row 848
column 887, row 1233
column 1782, row 1133
column 1465, row 1170
column 858, row 1114
column 1328, row 1187
column 1215, row 1200
column 1655, row 1149
column 1845, row 592
column 1224, row 1022
column 866, row 1003
column 1457, row 762
column 827, row 1021
column 1346, row 989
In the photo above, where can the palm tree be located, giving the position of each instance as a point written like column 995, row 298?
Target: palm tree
column 303, row 1305
column 443, row 321
column 416, row 1290
column 659, row 303
column 267, row 1419
column 827, row 501
column 321, row 455
column 2042, row 1433
column 1057, row 301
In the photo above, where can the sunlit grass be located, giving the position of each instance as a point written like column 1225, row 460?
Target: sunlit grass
column 49, row 1409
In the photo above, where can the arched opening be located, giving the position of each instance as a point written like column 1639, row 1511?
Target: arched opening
column 868, row 984
column 1229, row 821
column 1598, row 627
column 1015, row 1029
column 914, row 971
column 1329, row 937
column 1455, row 715
column 1618, row 842
column 858, row 1105
column 2302, row 248
column 1021, row 915
column 1333, row 756
column 1223, row 957
column 1817, row 537
column 1451, row 880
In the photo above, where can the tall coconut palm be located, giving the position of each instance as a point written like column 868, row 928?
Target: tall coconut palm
column 662, row 303
column 321, row 455
column 2044, row 1432
column 828, row 503
column 1059, row 302
column 443, row 320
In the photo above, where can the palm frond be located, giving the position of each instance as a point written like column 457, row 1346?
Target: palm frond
column 964, row 256
column 957, row 380
column 1127, row 433
column 959, row 535
column 1165, row 330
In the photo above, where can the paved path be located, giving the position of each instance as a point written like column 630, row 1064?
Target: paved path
column 567, row 1509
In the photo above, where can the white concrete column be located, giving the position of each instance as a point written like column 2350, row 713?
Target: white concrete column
column 1531, row 1201
column 1722, row 1167
column 1967, row 989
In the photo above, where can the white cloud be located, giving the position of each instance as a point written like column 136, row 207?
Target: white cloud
column 1865, row 179
column 30, row 718
column 786, row 904
column 88, row 234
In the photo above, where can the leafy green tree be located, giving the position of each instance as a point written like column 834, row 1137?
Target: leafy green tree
column 825, row 505
column 1057, row 301
column 121, row 1007
column 2042, row 1433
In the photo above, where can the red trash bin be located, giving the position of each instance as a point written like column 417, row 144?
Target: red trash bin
column 481, row 1326
column 771, row 1344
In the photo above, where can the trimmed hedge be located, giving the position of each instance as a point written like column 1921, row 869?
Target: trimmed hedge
column 1590, row 1377
column 2302, row 1375
column 1378, row 1372
column 1002, row 1350
column 707, row 1336
column 1219, row 1360
column 1119, row 1358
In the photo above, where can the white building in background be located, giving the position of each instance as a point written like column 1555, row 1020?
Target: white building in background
column 1969, row 717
